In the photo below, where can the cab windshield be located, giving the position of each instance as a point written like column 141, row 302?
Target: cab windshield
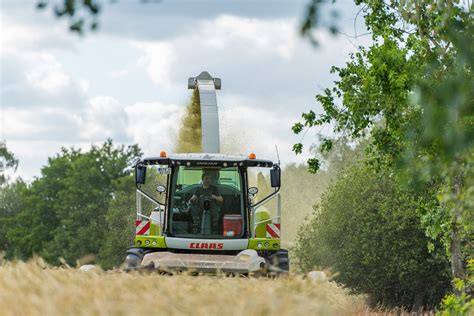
column 206, row 203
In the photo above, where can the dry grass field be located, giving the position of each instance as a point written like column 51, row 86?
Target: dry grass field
column 34, row 289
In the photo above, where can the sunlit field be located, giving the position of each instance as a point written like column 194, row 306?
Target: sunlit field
column 32, row 288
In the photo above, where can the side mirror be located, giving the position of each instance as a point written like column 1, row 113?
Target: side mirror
column 140, row 174
column 253, row 190
column 161, row 189
column 275, row 175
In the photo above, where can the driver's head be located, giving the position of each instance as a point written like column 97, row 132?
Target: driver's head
column 206, row 179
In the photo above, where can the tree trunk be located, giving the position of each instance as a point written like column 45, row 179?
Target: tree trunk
column 457, row 266
column 418, row 301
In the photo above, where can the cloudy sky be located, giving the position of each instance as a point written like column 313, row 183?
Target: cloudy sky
column 128, row 81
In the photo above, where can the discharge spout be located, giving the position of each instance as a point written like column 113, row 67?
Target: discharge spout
column 207, row 86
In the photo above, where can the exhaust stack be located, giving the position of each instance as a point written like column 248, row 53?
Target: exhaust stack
column 207, row 86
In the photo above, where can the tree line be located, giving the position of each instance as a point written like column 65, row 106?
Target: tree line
column 82, row 204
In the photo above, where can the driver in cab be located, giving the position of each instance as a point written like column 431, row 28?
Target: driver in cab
column 202, row 223
column 207, row 189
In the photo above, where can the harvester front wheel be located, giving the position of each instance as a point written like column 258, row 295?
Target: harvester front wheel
column 279, row 259
column 134, row 257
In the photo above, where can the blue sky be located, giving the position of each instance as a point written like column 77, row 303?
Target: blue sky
column 128, row 81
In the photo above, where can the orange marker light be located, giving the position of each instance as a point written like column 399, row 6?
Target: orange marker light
column 252, row 156
column 163, row 154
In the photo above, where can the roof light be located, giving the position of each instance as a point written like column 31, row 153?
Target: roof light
column 163, row 154
column 252, row 156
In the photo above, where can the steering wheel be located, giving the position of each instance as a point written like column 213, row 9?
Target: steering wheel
column 205, row 201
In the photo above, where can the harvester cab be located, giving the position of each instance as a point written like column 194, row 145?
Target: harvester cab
column 205, row 216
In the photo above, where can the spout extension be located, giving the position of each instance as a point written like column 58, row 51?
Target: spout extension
column 207, row 86
column 204, row 76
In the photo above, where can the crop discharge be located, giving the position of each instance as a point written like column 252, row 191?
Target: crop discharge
column 190, row 131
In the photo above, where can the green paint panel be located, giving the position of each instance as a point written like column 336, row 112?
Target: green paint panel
column 153, row 241
column 261, row 229
column 154, row 230
column 266, row 244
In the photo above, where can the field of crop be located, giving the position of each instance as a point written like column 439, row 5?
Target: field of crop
column 32, row 288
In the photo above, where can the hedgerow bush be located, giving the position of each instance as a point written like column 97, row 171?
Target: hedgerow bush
column 367, row 231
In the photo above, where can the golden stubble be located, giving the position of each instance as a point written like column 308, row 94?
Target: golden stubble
column 34, row 289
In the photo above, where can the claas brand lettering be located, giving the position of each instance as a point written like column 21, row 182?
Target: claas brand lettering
column 205, row 245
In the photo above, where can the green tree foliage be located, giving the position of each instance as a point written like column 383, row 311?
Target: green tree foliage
column 460, row 304
column 365, row 230
column 445, row 147
column 119, row 224
column 121, row 215
column 7, row 161
column 82, row 14
column 11, row 203
column 412, row 91
column 64, row 210
column 313, row 19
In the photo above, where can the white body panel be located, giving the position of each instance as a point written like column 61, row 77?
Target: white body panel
column 246, row 261
column 157, row 217
column 200, row 244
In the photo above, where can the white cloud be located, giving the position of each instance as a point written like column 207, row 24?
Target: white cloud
column 158, row 61
column 30, row 72
column 154, row 125
column 104, row 117
column 263, row 59
column 40, row 124
column 48, row 74
column 226, row 42
column 120, row 73
column 17, row 37
column 262, row 36
column 37, row 78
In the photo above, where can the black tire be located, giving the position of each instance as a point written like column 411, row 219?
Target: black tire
column 134, row 257
column 279, row 259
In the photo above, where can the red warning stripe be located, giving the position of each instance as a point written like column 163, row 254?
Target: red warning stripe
column 143, row 229
column 273, row 230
